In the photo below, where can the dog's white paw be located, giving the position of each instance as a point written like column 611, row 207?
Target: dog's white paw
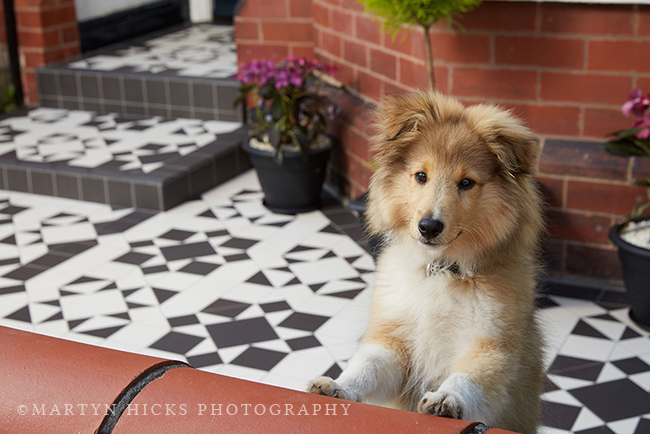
column 326, row 386
column 444, row 404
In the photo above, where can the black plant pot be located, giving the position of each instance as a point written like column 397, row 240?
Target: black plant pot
column 636, row 273
column 359, row 205
column 295, row 185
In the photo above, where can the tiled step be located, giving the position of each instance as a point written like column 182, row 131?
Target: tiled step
column 148, row 163
column 186, row 73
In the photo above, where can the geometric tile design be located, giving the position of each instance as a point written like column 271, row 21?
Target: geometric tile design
column 230, row 287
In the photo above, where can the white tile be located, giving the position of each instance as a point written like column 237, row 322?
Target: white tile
column 68, row 234
column 100, row 303
column 642, row 379
column 626, row 426
column 301, row 366
column 242, row 373
column 587, row 348
column 323, row 271
column 586, row 420
column 610, row 373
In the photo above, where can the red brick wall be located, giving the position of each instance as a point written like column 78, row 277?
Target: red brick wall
column 47, row 33
column 563, row 67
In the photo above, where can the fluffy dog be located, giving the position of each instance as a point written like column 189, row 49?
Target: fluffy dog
column 452, row 329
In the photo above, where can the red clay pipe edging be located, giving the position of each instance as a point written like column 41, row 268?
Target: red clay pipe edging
column 51, row 386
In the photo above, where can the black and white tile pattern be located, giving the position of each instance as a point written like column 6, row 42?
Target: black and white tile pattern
column 232, row 288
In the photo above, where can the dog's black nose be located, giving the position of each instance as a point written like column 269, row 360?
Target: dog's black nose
column 430, row 228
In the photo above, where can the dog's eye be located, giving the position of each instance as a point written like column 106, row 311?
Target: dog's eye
column 421, row 177
column 466, row 184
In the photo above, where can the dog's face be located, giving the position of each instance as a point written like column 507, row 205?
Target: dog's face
column 449, row 178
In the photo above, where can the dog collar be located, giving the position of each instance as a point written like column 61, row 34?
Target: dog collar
column 437, row 267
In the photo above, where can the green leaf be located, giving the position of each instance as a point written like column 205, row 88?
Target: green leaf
column 276, row 109
column 268, row 91
column 275, row 135
column 643, row 183
column 623, row 148
column 629, row 132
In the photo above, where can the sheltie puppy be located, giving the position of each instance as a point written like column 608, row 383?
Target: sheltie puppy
column 452, row 329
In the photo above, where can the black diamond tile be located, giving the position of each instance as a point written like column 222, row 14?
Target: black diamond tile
column 315, row 287
column 21, row 315
column 9, row 261
column 187, row 251
column 259, row 358
column 330, row 230
column 200, row 268
column 350, row 295
column 584, row 329
column 204, row 360
column 303, row 343
column 163, row 294
column 55, row 317
column 260, row 279
column 558, row 415
column 175, row 342
column 84, row 279
column 24, row 273
column 576, row 368
column 631, row 400
column 72, row 249
column 334, row 371
column 124, row 315
column 208, row 214
column 183, row 320
column 9, row 240
column 597, row 430
column 12, row 289
column 549, row 385
column 142, row 244
column 11, row 210
column 220, row 233
column 605, row 316
column 227, row 308
column 632, row 365
column 103, row 333
column 629, row 334
column 155, row 269
column 543, row 302
column 235, row 258
column 304, row 321
column 75, row 323
column 275, row 307
column 247, row 331
column 643, row 427
column 177, row 235
column 293, row 281
column 134, row 258
column 300, row 248
column 239, row 243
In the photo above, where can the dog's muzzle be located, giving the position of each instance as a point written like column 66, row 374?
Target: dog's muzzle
column 430, row 228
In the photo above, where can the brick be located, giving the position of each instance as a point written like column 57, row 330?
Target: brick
column 33, row 60
column 28, row 19
column 586, row 19
column 442, row 78
column 306, row 52
column 368, row 85
column 300, row 9
column 584, row 87
column 392, row 89
column 70, row 34
column 641, row 168
column 345, row 75
column 249, row 52
column 321, row 15
column 413, row 74
column 607, row 198
column 352, row 5
column 367, row 29
column 383, row 63
column 246, row 30
column 60, row 15
column 400, row 41
column 41, row 39
column 619, row 55
column 263, row 9
column 581, row 158
column 331, row 43
column 494, row 83
column 553, row 120
column 358, row 145
column 535, row 51
column 600, row 122
column 644, row 21
column 458, row 48
column 553, row 255
column 341, row 22
column 593, row 261
column 355, row 53
column 643, row 83
column 552, row 190
column 577, row 227
column 289, row 32
column 510, row 16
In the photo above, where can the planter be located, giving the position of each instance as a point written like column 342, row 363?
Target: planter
column 295, row 185
column 374, row 242
column 636, row 273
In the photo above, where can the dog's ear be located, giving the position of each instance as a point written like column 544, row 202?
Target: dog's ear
column 508, row 139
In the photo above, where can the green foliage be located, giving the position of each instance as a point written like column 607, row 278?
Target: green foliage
column 7, row 99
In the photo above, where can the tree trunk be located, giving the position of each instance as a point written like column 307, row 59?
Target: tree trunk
column 427, row 42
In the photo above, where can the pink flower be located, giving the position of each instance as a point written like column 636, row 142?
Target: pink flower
column 644, row 124
column 637, row 103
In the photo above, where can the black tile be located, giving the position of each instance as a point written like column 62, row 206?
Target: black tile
column 303, row 343
column 17, row 179
column 175, row 342
column 134, row 258
column 230, row 116
column 158, row 111
column 42, row 183
column 239, row 243
column 49, row 101
column 103, row 333
column 111, row 88
column 343, row 218
column 183, row 320
column 247, row 331
column 12, row 209
column 275, row 307
column 21, row 315
column 642, row 428
column 177, row 235
column 49, row 260
column 93, row 190
column 133, row 90
column 584, row 329
column 200, row 268
column 134, row 110
column 147, row 196
column 71, row 249
column 46, row 83
column 179, row 93
column 155, row 269
column 203, row 95
column 203, row 178
column 70, row 104
column 629, row 334
column 205, row 114
column 350, row 294
column 67, row 185
column 119, row 193
column 334, row 371
column 260, row 279
column 597, row 430
column 163, row 295
column 187, row 251
column 631, row 400
column 304, row 321
column 156, row 93
column 572, row 291
column 12, row 289
column 175, row 192
column 204, row 360
column 576, row 368
column 24, row 273
column 89, row 86
column 226, row 95
column 226, row 166
column 68, row 84
column 227, row 308
column 558, row 415
column 235, row 258
column 92, row 106
column 112, row 107
column 259, row 358
column 181, row 112
column 632, row 365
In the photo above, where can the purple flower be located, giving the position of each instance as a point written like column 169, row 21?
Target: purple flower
column 644, row 124
column 637, row 103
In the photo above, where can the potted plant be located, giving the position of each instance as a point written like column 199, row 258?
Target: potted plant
column 632, row 237
column 288, row 146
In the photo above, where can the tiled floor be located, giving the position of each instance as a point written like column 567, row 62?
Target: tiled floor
column 232, row 288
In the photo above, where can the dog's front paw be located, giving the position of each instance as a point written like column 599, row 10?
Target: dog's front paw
column 442, row 404
column 326, row 386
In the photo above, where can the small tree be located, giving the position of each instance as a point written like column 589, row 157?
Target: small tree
column 423, row 13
